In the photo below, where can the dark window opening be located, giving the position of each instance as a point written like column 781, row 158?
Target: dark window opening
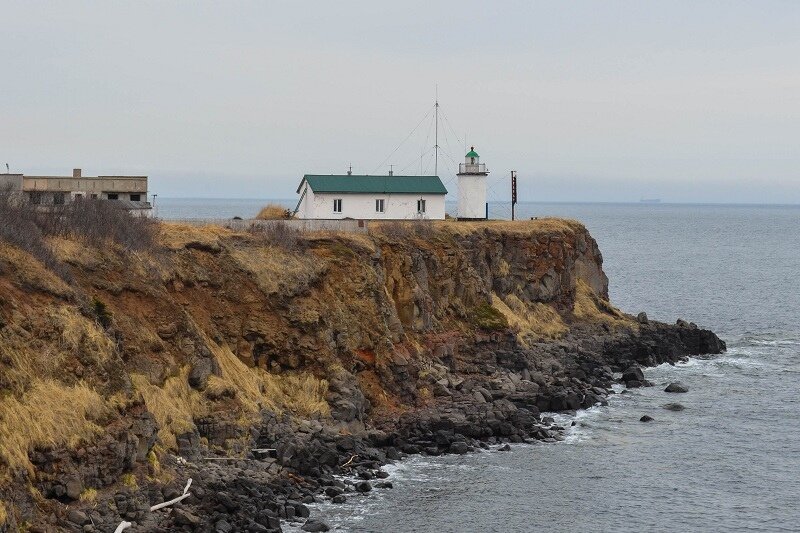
column 36, row 198
column 337, row 205
column 136, row 197
column 420, row 206
column 379, row 206
column 113, row 196
column 58, row 198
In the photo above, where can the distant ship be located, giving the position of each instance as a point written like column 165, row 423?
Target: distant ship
column 650, row 201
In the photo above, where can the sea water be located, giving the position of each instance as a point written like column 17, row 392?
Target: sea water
column 729, row 462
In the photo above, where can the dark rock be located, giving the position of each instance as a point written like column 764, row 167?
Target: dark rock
column 674, row 407
column 363, row 486
column 676, row 386
column 332, row 492
column 642, row 318
column 341, row 498
column 73, row 487
column 633, row 373
column 183, row 517
column 77, row 517
column 459, row 448
column 384, row 485
column 646, row 418
column 504, row 448
column 313, row 525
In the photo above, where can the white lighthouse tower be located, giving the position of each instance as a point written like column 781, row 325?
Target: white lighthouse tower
column 472, row 187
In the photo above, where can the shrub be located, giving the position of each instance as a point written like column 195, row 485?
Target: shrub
column 488, row 318
column 94, row 222
column 279, row 234
column 273, row 212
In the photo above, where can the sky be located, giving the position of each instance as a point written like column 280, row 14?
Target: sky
column 695, row 101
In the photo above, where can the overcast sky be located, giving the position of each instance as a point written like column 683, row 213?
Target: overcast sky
column 608, row 101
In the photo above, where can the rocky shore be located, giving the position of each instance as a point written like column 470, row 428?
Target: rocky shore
column 423, row 341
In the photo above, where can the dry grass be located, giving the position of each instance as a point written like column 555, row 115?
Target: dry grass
column 533, row 227
column 175, row 236
column 48, row 415
column 175, row 405
column 80, row 334
column 536, row 321
column 272, row 212
column 301, row 394
column 590, row 307
column 88, row 495
column 277, row 271
column 3, row 514
column 30, row 272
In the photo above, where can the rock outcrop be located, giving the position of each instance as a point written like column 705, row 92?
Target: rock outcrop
column 261, row 366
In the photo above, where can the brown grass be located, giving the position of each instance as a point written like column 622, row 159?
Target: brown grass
column 3, row 514
column 175, row 405
column 278, row 271
column 175, row 236
column 536, row 321
column 590, row 307
column 272, row 212
column 538, row 226
column 48, row 415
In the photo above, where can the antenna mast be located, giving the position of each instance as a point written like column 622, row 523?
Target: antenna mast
column 436, row 146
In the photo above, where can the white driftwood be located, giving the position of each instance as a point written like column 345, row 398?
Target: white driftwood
column 186, row 494
column 122, row 527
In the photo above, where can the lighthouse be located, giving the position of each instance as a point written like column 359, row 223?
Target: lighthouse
column 472, row 187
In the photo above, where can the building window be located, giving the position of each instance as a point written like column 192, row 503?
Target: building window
column 379, row 206
column 337, row 205
column 94, row 197
column 113, row 196
column 35, row 197
column 58, row 198
column 420, row 206
column 136, row 197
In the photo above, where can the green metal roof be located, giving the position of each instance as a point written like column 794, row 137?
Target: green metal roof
column 373, row 184
column 472, row 153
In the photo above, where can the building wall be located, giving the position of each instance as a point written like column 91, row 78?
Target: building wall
column 471, row 196
column 88, row 185
column 11, row 182
column 362, row 206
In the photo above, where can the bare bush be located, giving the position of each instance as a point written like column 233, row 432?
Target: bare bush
column 399, row 230
column 94, row 222
column 99, row 222
column 279, row 234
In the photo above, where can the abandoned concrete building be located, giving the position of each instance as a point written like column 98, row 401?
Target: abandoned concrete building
column 129, row 191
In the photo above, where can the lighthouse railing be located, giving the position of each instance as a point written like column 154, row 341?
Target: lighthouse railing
column 471, row 168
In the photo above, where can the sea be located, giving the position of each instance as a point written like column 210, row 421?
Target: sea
column 729, row 462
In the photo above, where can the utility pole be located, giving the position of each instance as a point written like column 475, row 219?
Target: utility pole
column 513, row 192
column 436, row 146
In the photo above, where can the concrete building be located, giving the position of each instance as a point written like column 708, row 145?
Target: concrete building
column 130, row 191
column 371, row 197
column 472, row 187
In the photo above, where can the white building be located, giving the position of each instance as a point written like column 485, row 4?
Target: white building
column 371, row 197
column 472, row 187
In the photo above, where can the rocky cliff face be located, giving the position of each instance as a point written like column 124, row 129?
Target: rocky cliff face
column 415, row 338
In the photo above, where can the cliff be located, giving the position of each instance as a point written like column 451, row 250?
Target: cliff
column 215, row 343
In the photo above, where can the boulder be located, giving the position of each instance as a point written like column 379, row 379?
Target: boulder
column 185, row 518
column 633, row 373
column 77, row 517
column 363, row 486
column 341, row 498
column 313, row 525
column 642, row 318
column 676, row 386
column 459, row 448
column 674, row 407
column 646, row 418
